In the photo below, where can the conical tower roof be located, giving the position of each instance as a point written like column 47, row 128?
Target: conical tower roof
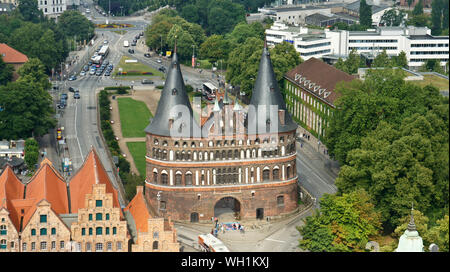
column 173, row 104
column 267, row 93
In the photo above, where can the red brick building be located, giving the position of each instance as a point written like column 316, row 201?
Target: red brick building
column 238, row 159
column 13, row 57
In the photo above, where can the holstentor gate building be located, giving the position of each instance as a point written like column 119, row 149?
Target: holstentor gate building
column 244, row 159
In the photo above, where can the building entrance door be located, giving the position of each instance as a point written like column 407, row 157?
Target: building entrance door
column 227, row 208
column 260, row 213
column 194, row 217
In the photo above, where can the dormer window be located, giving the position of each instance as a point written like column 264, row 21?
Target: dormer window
column 271, row 88
column 174, row 91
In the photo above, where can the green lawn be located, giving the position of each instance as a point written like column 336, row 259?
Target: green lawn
column 134, row 117
column 135, row 69
column 439, row 82
column 137, row 150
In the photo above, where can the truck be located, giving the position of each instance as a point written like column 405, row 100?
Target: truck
column 125, row 44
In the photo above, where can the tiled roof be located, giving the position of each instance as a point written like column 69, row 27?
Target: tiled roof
column 138, row 209
column 47, row 184
column 91, row 172
column 10, row 188
column 11, row 55
column 318, row 78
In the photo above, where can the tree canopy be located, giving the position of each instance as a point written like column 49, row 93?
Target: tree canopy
column 6, row 72
column 345, row 223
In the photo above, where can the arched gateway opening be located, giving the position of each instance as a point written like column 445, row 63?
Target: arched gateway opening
column 227, row 208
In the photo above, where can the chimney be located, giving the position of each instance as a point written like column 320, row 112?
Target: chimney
column 139, row 189
column 281, row 116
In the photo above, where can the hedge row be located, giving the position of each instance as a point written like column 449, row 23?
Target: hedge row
column 129, row 179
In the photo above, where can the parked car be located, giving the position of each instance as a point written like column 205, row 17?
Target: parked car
column 159, row 61
column 147, row 55
column 64, row 96
column 73, row 77
column 105, row 41
column 162, row 69
column 86, row 68
column 147, row 81
column 107, row 73
column 92, row 72
column 131, row 51
column 71, row 89
column 89, row 63
column 133, row 43
column 76, row 95
column 82, row 73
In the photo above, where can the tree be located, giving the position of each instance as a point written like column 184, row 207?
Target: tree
column 445, row 17
column 418, row 8
column 31, row 151
column 365, row 14
column 436, row 17
column 382, row 60
column 73, row 23
column 184, row 41
column 34, row 71
column 243, row 62
column 6, row 72
column 439, row 234
column 410, row 3
column 215, row 48
column 27, row 109
column 345, row 223
column 30, row 11
column 242, row 31
column 400, row 60
column 190, row 13
column 392, row 17
column 223, row 15
column 351, row 64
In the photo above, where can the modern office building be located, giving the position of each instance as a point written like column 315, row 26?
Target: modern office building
column 417, row 42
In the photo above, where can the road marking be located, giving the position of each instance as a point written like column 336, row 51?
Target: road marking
column 273, row 240
column 76, row 132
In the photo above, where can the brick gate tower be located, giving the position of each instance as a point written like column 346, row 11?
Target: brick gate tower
column 240, row 158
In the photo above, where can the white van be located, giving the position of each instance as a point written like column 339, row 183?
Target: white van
column 125, row 44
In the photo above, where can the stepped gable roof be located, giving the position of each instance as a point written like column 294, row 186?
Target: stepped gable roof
column 267, row 93
column 90, row 173
column 46, row 184
column 11, row 55
column 10, row 189
column 318, row 78
column 139, row 210
column 174, row 100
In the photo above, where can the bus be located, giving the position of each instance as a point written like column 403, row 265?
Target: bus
column 209, row 243
column 104, row 51
column 209, row 89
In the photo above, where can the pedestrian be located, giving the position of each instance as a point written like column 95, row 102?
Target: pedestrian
column 212, row 231
column 301, row 144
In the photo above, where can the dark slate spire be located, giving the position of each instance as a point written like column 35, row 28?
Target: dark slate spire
column 411, row 224
column 267, row 93
column 173, row 99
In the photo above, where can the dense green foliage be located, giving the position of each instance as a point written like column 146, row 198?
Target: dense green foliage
column 391, row 138
column 365, row 14
column 392, row 17
column 418, row 8
column 244, row 60
column 351, row 64
column 6, row 72
column 345, row 223
column 74, row 24
column 31, row 151
column 27, row 106
column 37, row 36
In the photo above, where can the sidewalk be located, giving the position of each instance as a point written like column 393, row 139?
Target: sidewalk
column 308, row 141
